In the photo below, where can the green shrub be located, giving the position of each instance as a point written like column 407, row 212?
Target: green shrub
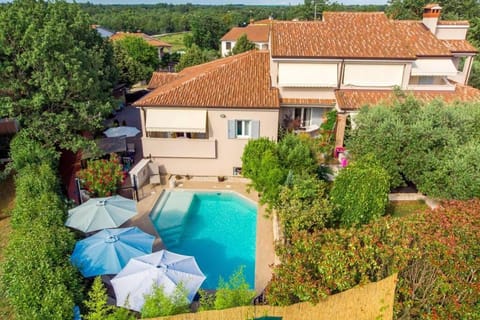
column 27, row 152
column 97, row 306
column 320, row 263
column 458, row 176
column 39, row 280
column 422, row 143
column 159, row 304
column 436, row 253
column 303, row 205
column 233, row 293
column 207, row 300
column 297, row 154
column 268, row 164
column 360, row 193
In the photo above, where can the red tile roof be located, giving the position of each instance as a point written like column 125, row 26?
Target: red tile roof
column 254, row 32
column 459, row 46
column 420, row 39
column 239, row 81
column 306, row 101
column 160, row 78
column 350, row 99
column 151, row 40
column 360, row 35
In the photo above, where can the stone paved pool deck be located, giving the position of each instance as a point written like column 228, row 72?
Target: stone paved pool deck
column 265, row 253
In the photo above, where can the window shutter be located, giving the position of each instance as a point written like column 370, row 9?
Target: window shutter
column 255, row 129
column 232, row 129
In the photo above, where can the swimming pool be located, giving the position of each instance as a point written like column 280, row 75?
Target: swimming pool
column 217, row 228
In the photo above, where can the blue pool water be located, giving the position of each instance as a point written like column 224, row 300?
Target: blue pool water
column 217, row 228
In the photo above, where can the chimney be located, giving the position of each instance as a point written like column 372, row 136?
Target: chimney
column 431, row 14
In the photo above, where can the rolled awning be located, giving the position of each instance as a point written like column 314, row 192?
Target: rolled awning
column 433, row 67
column 176, row 120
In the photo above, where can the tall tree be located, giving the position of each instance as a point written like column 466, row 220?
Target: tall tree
column 56, row 72
column 243, row 45
column 207, row 31
column 451, row 9
column 194, row 56
column 135, row 59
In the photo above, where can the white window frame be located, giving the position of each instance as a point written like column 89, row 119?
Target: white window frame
column 245, row 127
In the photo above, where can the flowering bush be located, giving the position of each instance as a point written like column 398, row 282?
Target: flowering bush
column 437, row 254
column 102, row 177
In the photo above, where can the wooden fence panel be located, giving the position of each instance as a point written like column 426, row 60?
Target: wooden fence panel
column 372, row 301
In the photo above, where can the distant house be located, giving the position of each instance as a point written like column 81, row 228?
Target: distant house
column 256, row 33
column 346, row 61
column 104, row 32
column 160, row 45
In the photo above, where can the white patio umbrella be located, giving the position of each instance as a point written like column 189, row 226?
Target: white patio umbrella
column 162, row 268
column 121, row 131
column 101, row 213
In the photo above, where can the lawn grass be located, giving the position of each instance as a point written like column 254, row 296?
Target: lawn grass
column 7, row 197
column 403, row 208
column 175, row 39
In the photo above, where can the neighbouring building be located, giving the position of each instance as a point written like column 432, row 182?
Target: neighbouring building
column 343, row 62
column 104, row 32
column 161, row 46
column 256, row 33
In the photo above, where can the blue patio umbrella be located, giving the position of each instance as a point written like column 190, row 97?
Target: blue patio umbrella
column 101, row 213
column 109, row 250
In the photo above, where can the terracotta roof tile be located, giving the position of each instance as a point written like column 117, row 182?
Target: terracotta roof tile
column 151, row 40
column 254, row 32
column 239, row 81
column 340, row 35
column 460, row 46
column 419, row 39
column 356, row 35
column 300, row 101
column 453, row 22
column 355, row 99
column 160, row 78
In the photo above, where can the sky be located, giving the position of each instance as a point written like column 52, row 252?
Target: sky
column 219, row 2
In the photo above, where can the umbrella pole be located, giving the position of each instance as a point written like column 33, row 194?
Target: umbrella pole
column 79, row 191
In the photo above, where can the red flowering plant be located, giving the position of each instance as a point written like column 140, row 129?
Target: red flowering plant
column 102, row 177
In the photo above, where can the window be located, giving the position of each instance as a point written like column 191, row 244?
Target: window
column 243, row 129
column 425, row 80
column 228, row 45
column 304, row 116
